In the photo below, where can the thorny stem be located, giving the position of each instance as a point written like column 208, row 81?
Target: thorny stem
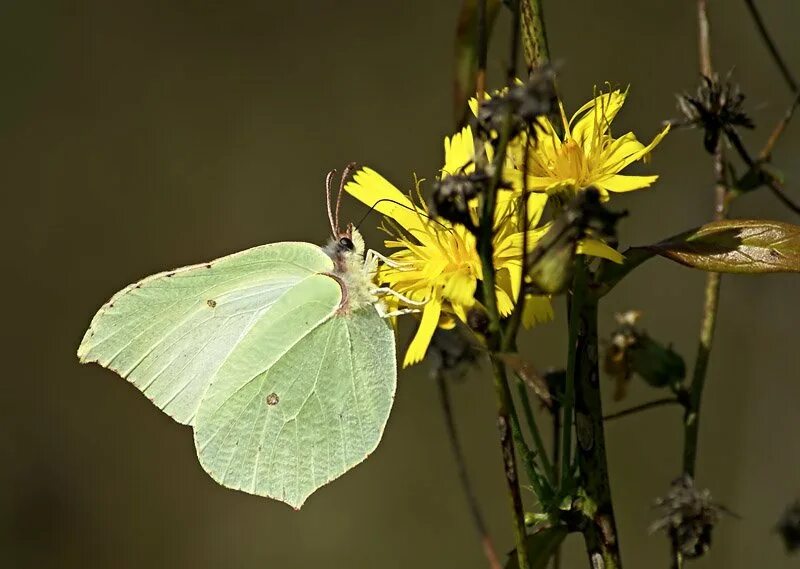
column 463, row 475
column 643, row 407
column 600, row 533
column 773, row 49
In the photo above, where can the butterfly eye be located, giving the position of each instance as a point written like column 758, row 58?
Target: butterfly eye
column 346, row 243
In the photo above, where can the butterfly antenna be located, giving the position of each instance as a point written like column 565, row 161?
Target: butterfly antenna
column 423, row 214
column 328, row 187
column 345, row 175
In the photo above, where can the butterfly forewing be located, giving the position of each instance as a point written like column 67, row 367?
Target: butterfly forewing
column 169, row 333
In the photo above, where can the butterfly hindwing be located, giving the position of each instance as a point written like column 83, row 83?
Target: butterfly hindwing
column 284, row 429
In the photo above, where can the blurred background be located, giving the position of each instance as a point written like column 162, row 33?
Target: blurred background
column 140, row 136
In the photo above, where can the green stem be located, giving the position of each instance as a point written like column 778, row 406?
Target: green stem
column 541, row 451
column 600, row 533
column 568, row 402
column 534, row 34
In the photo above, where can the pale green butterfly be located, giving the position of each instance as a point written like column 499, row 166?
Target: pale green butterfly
column 280, row 357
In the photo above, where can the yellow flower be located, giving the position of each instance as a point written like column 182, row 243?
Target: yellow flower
column 436, row 262
column 587, row 155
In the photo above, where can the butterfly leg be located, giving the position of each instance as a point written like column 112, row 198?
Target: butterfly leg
column 399, row 312
column 401, row 297
column 372, row 256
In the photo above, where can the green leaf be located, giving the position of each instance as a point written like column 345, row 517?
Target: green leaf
column 737, row 246
column 541, row 547
column 747, row 246
column 466, row 53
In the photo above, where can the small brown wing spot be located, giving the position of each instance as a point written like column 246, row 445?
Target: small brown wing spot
column 172, row 274
column 272, row 399
column 211, row 303
column 208, row 265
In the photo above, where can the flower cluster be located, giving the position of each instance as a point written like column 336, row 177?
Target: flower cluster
column 435, row 262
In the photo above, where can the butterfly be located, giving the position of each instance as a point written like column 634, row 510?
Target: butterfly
column 280, row 357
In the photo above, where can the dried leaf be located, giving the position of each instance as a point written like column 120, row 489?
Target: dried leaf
column 529, row 375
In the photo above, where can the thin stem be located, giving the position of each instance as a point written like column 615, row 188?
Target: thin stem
column 600, row 533
column 639, row 408
column 711, row 303
column 771, row 183
column 463, row 475
column 541, row 451
column 773, row 49
column 780, row 128
column 704, row 42
column 556, row 411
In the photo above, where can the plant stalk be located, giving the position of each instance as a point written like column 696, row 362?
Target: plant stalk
column 534, row 34
column 600, row 532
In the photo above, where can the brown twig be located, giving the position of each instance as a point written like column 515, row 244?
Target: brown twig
column 639, row 408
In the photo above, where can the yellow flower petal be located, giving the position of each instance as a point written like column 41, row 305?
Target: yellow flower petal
column 594, row 118
column 646, row 150
column 537, row 310
column 597, row 248
column 430, row 319
column 374, row 190
column 621, row 183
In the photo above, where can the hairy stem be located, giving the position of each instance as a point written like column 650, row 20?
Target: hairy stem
column 600, row 533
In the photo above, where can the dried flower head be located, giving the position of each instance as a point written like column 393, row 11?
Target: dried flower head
column 688, row 515
column 452, row 196
column 716, row 107
column 522, row 103
column 452, row 352
column 789, row 527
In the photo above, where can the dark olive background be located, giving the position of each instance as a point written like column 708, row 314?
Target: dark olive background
column 138, row 136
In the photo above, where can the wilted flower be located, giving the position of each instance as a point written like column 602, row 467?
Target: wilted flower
column 688, row 517
column 716, row 107
column 631, row 350
column 789, row 527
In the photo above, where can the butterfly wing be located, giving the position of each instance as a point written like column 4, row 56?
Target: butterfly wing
column 170, row 333
column 284, row 429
